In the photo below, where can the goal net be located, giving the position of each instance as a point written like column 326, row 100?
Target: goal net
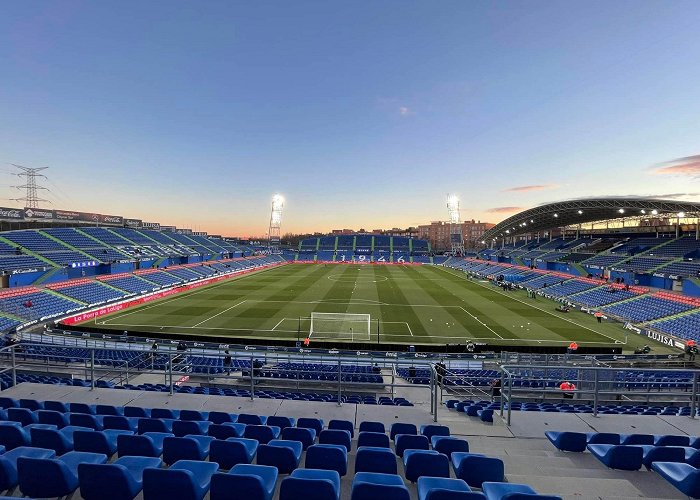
column 340, row 325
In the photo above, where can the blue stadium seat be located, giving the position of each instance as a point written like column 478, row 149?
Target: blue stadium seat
column 190, row 447
column 280, row 453
column 373, row 439
column 194, row 415
column 226, row 430
column 439, row 488
column 671, row 440
column 252, row 482
column 305, row 435
column 618, row 456
column 568, row 441
column 184, row 427
column 448, row 445
column 155, row 424
column 431, row 430
column 513, row 491
column 95, row 422
column 263, row 434
column 311, row 484
column 404, row 442
column 419, row 463
column 344, row 425
column 59, row 440
column 53, row 477
column 122, row 479
column 603, row 438
column 119, row 422
column 232, row 451
column 633, row 439
column 98, row 441
column 311, row 423
column 402, row 428
column 8, row 463
column 334, row 436
column 248, row 419
column 372, row 427
column 52, row 417
column 476, row 469
column 328, row 457
column 281, row 422
column 149, row 444
column 375, row 486
column 684, row 477
column 184, row 480
column 651, row 454
column 24, row 416
column 375, row 459
column 220, row 417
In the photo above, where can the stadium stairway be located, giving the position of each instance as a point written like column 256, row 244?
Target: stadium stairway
column 528, row 457
column 44, row 277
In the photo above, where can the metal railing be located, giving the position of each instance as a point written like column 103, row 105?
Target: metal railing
column 598, row 385
column 254, row 371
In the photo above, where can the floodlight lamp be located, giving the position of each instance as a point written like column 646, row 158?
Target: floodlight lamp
column 580, row 212
column 654, row 212
column 681, row 214
column 556, row 215
column 622, row 210
column 644, row 211
column 452, row 201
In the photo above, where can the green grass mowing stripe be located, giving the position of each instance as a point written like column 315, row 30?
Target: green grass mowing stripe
column 390, row 293
column 460, row 312
column 563, row 328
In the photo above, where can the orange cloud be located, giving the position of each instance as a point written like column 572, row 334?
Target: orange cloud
column 534, row 187
column 503, row 210
column 687, row 167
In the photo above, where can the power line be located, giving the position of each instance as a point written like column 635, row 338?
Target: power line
column 31, row 198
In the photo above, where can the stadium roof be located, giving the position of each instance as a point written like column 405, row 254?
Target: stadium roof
column 587, row 210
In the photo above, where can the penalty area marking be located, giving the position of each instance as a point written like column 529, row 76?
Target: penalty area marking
column 545, row 311
column 219, row 314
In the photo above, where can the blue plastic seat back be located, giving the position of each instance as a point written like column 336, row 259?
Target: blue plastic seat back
column 402, row 428
column 45, row 478
column 311, row 423
column 232, row 452
column 405, row 442
column 374, row 459
column 305, row 435
column 220, row 417
column 373, row 439
column 327, row 457
column 429, row 463
column 12, row 436
column 369, row 426
column 119, row 480
column 344, row 425
column 294, row 488
column 336, row 436
column 223, row 431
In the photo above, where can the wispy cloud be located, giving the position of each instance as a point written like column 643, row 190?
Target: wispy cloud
column 677, row 195
column 503, row 210
column 685, row 167
column 533, row 187
column 405, row 111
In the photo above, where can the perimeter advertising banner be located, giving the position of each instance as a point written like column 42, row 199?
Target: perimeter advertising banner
column 11, row 213
column 66, row 215
column 38, row 214
column 133, row 223
column 151, row 225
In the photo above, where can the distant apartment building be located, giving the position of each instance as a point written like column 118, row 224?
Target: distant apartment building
column 438, row 233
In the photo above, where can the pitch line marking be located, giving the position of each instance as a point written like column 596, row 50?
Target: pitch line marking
column 479, row 321
column 278, row 324
column 544, row 310
column 219, row 314
column 160, row 302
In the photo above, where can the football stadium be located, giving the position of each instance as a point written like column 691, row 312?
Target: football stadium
column 191, row 307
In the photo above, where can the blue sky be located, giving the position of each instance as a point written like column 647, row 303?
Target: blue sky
column 363, row 114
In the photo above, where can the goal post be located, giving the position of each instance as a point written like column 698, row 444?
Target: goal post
column 340, row 325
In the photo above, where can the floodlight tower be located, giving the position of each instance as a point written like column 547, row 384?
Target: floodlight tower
column 275, row 223
column 456, row 238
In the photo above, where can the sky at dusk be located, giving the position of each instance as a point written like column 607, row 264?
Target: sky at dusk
column 362, row 114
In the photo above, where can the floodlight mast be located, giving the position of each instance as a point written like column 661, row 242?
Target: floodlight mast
column 456, row 237
column 274, row 234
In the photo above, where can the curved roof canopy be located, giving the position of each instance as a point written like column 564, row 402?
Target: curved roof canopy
column 587, row 210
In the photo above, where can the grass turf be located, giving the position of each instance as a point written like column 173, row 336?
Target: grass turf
column 407, row 304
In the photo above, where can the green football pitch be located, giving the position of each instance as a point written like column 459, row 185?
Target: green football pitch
column 406, row 305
